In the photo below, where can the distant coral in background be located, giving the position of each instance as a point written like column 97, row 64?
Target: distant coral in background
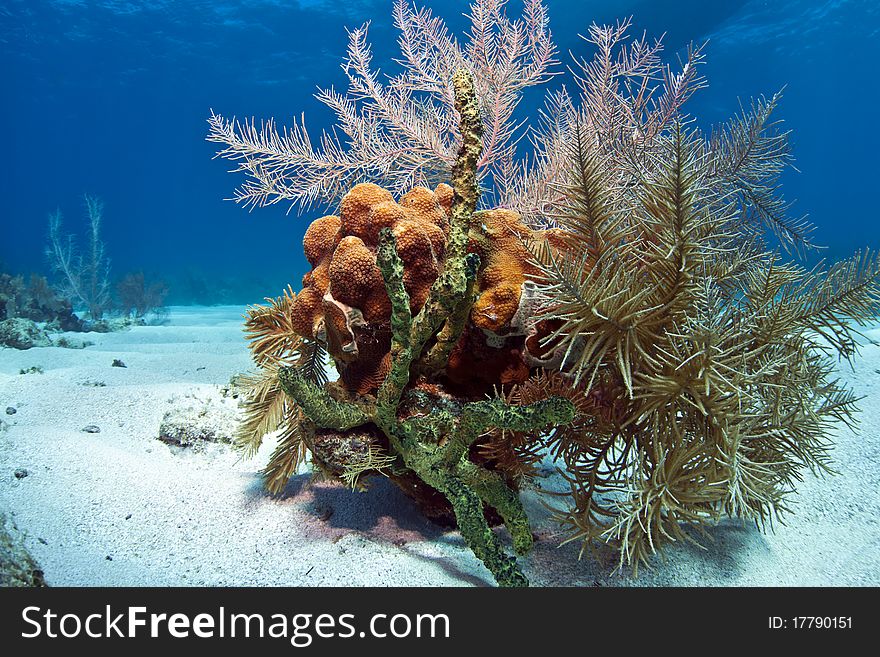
column 138, row 297
column 30, row 311
column 36, row 301
column 675, row 368
column 82, row 278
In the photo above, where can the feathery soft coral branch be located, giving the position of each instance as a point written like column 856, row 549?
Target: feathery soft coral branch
column 398, row 131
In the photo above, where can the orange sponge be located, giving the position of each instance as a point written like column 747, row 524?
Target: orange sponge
column 344, row 303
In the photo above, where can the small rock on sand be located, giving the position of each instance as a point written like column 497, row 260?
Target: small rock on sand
column 193, row 421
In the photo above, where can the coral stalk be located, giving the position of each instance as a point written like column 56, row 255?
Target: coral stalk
column 317, row 403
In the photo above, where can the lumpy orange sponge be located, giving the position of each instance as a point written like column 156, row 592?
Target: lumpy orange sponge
column 344, row 303
column 505, row 260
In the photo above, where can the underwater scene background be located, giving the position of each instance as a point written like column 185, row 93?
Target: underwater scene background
column 111, row 98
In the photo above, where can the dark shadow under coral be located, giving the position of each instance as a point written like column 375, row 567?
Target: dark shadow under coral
column 382, row 512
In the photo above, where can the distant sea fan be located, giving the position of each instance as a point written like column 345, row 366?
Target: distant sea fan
column 138, row 297
column 82, row 278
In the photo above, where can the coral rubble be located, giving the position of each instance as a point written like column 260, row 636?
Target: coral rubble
column 194, row 422
column 20, row 333
column 17, row 567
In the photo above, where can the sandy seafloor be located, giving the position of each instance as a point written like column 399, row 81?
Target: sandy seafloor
column 120, row 507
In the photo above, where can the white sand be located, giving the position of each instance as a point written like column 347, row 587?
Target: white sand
column 120, row 507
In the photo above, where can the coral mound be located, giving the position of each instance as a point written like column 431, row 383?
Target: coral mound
column 344, row 303
column 676, row 368
column 390, row 298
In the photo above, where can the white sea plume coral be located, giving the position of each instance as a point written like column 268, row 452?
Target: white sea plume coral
column 82, row 278
column 398, row 131
column 626, row 96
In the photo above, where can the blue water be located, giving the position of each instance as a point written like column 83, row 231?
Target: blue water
column 111, row 97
